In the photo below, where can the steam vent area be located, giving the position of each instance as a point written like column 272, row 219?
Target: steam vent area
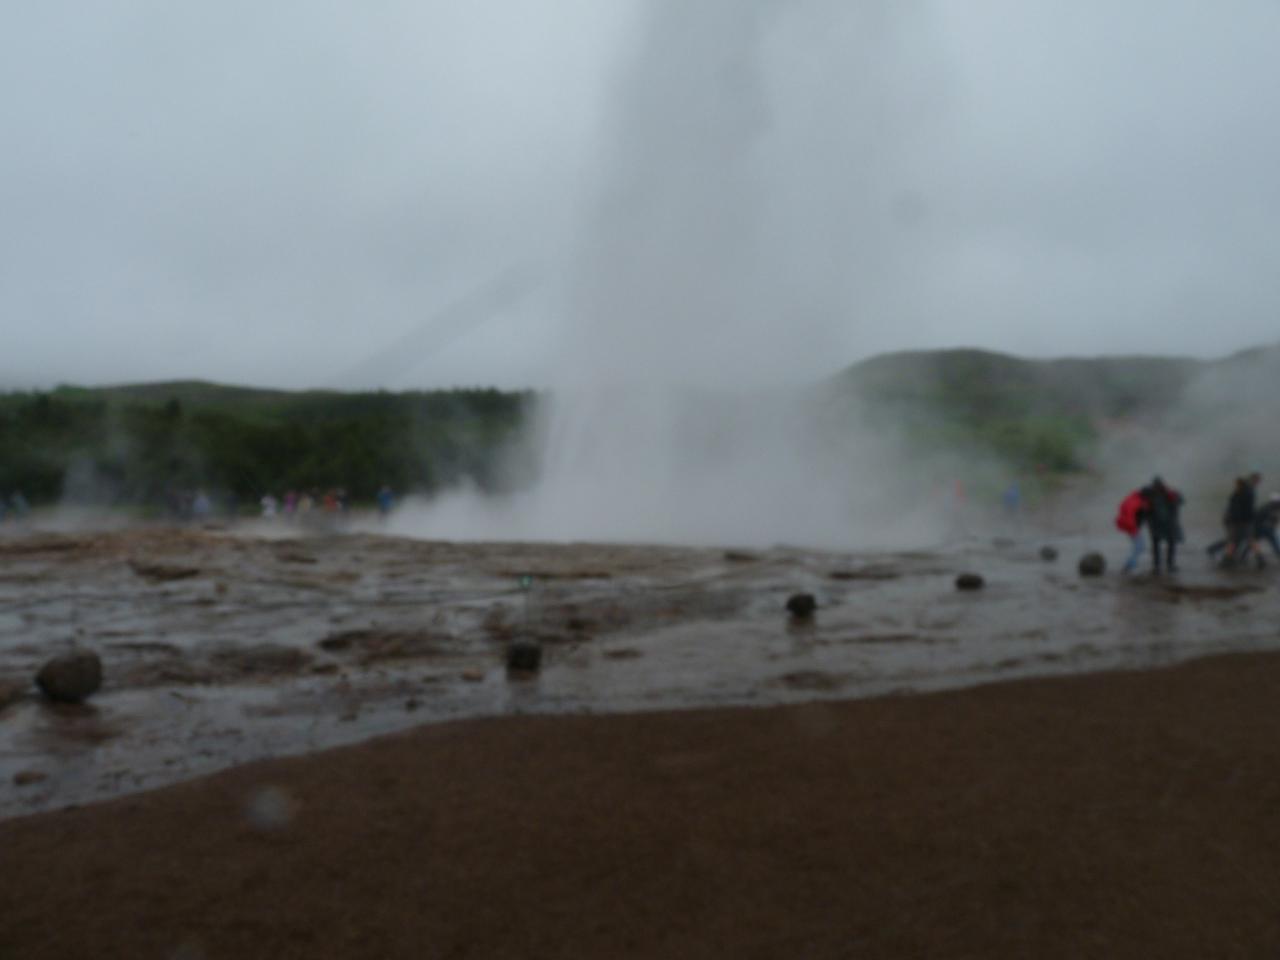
column 355, row 744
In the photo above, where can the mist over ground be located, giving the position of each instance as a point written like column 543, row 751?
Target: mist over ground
column 678, row 218
column 775, row 179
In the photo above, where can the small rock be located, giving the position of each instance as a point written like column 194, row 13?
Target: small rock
column 1048, row 554
column 25, row 778
column 1092, row 565
column 161, row 572
column 969, row 581
column 801, row 605
column 412, row 704
column 524, row 656
column 71, row 677
column 473, row 676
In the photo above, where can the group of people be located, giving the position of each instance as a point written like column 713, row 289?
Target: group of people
column 1248, row 524
column 1158, row 508
column 334, row 502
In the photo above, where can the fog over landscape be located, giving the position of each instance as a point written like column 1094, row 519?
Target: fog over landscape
column 273, row 195
column 650, row 478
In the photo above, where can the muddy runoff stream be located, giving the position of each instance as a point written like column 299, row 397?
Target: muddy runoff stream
column 220, row 648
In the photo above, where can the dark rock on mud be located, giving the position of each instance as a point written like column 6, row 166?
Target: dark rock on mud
column 524, row 656
column 1092, row 565
column 740, row 556
column 970, row 581
column 25, row 778
column 71, row 677
column 160, row 572
column 801, row 605
column 1048, row 554
column 871, row 572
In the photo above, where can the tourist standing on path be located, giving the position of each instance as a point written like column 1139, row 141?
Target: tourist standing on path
column 1163, row 506
column 386, row 501
column 1129, row 521
column 1238, row 519
column 1266, row 519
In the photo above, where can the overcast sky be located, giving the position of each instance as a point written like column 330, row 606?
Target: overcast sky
column 299, row 192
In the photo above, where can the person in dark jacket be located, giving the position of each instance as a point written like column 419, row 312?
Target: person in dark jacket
column 1239, row 518
column 1265, row 520
column 1164, row 523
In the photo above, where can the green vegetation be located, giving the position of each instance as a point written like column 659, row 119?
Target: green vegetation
column 134, row 444
column 1035, row 416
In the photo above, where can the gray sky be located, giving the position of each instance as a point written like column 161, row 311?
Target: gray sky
column 276, row 192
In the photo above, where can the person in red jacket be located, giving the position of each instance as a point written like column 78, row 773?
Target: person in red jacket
column 1134, row 510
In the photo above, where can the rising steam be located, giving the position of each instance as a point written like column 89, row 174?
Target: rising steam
column 715, row 266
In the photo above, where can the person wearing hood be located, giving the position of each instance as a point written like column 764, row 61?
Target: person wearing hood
column 1132, row 515
column 1239, row 521
column 1164, row 505
column 1265, row 521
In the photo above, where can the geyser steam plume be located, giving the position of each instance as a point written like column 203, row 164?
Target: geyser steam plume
column 691, row 315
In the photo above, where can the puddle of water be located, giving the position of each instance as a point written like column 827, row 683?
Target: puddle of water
column 262, row 653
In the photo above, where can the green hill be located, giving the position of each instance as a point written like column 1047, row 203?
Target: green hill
column 1049, row 415
column 134, row 443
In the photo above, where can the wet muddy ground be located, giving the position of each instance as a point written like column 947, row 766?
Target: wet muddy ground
column 223, row 647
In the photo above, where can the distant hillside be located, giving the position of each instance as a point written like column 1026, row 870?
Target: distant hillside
column 136, row 443
column 1051, row 414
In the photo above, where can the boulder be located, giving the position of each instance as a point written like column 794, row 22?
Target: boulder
column 801, row 605
column 1093, row 565
column 71, row 677
column 524, row 656
column 1048, row 554
column 969, row 581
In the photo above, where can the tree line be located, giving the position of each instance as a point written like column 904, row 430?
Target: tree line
column 137, row 445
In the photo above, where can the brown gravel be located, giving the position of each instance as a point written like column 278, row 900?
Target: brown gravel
column 1120, row 815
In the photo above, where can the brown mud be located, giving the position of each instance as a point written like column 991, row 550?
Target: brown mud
column 221, row 648
column 1119, row 815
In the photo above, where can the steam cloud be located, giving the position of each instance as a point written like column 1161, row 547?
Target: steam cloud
column 713, row 269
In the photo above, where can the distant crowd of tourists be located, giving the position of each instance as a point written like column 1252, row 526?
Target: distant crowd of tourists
column 334, row 502
column 295, row 505
column 1247, row 525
